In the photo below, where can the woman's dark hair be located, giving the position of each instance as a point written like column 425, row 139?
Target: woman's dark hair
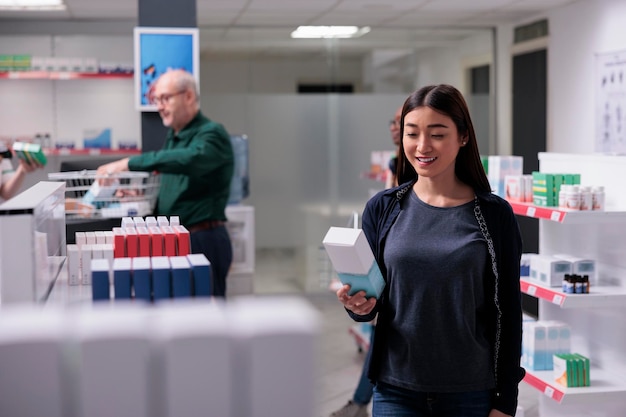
column 447, row 100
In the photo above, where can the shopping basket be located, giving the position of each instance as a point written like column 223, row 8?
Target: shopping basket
column 122, row 194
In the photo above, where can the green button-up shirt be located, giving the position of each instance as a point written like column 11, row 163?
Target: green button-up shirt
column 196, row 167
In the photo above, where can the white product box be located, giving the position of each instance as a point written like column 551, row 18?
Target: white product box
column 183, row 334
column 80, row 238
column 548, row 270
column 528, row 188
column 273, row 336
column 127, row 222
column 514, row 186
column 101, row 335
column 501, row 166
column 85, row 263
column 174, row 221
column 90, row 238
column 73, row 265
column 151, row 221
column 139, row 221
column 32, row 362
column 534, row 345
column 162, row 221
column 108, row 237
column 100, row 237
column 581, row 266
column 348, row 250
column 352, row 258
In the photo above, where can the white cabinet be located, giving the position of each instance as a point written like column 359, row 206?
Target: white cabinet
column 240, row 227
column 598, row 319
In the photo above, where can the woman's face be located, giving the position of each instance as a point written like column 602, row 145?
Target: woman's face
column 431, row 142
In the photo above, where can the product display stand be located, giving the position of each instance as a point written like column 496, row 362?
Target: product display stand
column 597, row 320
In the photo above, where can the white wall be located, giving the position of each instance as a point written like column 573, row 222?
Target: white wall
column 577, row 33
column 274, row 76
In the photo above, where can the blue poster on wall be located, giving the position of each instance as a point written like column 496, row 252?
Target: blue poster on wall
column 158, row 50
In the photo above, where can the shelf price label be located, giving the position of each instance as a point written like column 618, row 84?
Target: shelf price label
column 532, row 290
column 555, row 216
column 557, row 299
column 548, row 391
column 530, row 212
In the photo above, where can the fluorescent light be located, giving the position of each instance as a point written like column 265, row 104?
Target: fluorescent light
column 32, row 5
column 329, row 32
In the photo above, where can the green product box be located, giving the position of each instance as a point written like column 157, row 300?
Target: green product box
column 6, row 62
column 30, row 152
column 585, row 378
column 21, row 62
column 543, row 189
column 485, row 162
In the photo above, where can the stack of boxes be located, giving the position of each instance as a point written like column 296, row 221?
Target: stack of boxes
column 546, row 187
column 572, row 370
column 541, row 340
column 553, row 270
column 499, row 167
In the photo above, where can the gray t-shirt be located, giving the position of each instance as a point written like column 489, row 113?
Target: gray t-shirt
column 436, row 261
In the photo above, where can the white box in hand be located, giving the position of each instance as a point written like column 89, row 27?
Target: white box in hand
column 352, row 258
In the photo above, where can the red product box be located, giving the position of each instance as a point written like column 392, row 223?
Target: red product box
column 169, row 240
column 132, row 242
column 156, row 236
column 183, row 239
column 144, row 241
column 119, row 243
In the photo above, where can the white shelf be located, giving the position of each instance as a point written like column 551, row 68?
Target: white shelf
column 599, row 296
column 567, row 216
column 604, row 387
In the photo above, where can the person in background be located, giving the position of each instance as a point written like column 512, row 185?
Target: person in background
column 391, row 179
column 11, row 179
column 357, row 406
column 449, row 321
column 196, row 165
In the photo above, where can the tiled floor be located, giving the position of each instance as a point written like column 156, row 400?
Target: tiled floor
column 339, row 359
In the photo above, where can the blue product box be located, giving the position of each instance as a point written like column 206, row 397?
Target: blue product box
column 161, row 278
column 372, row 283
column 200, row 274
column 181, row 276
column 122, row 282
column 100, row 282
column 142, row 278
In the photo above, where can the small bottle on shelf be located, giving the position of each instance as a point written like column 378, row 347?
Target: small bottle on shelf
column 597, row 197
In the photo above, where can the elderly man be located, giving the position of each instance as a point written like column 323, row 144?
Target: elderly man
column 196, row 166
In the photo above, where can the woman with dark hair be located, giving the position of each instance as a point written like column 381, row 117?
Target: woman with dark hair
column 448, row 338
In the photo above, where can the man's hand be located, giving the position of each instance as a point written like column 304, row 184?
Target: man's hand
column 106, row 172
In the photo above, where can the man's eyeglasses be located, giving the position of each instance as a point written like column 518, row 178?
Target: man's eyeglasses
column 164, row 98
column 393, row 123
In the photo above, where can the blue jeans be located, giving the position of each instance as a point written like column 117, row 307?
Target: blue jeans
column 390, row 401
column 365, row 389
column 215, row 245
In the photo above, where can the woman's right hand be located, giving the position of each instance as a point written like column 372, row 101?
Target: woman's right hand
column 356, row 303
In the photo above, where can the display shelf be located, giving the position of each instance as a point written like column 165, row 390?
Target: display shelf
column 599, row 296
column 91, row 151
column 61, row 75
column 566, row 216
column 604, row 387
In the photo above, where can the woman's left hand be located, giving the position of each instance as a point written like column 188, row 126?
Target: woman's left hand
column 497, row 413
